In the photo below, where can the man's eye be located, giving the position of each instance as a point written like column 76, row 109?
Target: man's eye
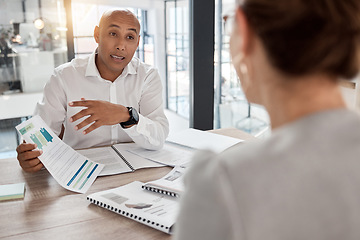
column 131, row 37
column 112, row 34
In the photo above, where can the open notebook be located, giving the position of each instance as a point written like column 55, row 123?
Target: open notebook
column 117, row 159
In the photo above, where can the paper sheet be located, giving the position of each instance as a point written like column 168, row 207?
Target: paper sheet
column 198, row 139
column 170, row 154
column 69, row 168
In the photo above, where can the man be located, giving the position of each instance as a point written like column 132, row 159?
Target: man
column 106, row 98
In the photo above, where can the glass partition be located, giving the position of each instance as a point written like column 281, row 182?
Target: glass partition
column 177, row 56
column 231, row 107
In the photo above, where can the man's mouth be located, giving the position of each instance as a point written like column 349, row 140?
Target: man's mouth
column 117, row 57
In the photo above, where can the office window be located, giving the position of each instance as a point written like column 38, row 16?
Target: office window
column 32, row 43
column 177, row 56
column 231, row 107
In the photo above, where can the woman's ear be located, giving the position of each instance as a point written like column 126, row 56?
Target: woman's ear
column 243, row 30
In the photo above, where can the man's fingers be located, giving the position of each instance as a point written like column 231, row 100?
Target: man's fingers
column 34, row 169
column 82, row 103
column 29, row 163
column 33, row 165
column 94, row 126
column 86, row 122
column 25, row 147
column 28, row 155
column 81, row 114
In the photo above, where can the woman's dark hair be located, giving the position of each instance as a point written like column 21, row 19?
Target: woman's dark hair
column 308, row 36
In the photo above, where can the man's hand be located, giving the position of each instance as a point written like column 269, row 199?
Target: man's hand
column 28, row 157
column 99, row 113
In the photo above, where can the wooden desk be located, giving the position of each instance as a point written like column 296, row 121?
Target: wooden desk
column 49, row 211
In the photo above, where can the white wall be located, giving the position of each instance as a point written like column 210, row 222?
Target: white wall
column 10, row 11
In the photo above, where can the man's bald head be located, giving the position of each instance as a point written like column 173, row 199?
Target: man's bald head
column 126, row 15
column 117, row 37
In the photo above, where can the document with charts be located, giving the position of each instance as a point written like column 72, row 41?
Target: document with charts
column 153, row 209
column 69, row 168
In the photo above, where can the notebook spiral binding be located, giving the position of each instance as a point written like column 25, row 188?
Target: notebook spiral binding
column 126, row 214
column 162, row 191
column 124, row 159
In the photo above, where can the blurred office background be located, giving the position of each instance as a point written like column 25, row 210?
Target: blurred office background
column 192, row 57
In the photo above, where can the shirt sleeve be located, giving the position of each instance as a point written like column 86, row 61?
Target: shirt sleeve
column 153, row 126
column 204, row 212
column 52, row 108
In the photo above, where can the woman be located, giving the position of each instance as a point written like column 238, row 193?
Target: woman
column 302, row 182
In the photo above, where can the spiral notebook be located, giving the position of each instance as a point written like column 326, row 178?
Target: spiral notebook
column 117, row 159
column 171, row 184
column 150, row 208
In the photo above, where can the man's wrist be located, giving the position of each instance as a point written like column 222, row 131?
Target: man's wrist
column 133, row 120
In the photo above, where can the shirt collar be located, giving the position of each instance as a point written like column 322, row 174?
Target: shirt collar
column 92, row 70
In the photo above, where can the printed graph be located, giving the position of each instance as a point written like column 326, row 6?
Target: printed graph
column 83, row 174
column 40, row 138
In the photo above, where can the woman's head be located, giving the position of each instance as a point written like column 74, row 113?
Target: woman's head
column 303, row 37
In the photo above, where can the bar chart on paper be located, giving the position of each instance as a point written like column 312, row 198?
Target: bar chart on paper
column 70, row 169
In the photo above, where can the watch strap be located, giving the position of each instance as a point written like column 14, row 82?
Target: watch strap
column 131, row 121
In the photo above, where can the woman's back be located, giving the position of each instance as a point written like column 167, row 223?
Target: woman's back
column 301, row 183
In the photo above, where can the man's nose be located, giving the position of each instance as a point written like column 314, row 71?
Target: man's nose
column 121, row 46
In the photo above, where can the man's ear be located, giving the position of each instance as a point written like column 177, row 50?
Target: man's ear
column 96, row 34
column 138, row 40
column 244, row 30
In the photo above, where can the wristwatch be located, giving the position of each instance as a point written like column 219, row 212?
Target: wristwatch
column 134, row 118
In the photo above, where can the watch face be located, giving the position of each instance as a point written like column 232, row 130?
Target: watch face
column 134, row 118
column 135, row 115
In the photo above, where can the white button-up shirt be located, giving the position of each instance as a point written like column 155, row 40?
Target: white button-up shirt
column 139, row 86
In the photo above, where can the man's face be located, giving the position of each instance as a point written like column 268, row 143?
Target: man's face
column 117, row 38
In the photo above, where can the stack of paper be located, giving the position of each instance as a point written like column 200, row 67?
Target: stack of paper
column 12, row 191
